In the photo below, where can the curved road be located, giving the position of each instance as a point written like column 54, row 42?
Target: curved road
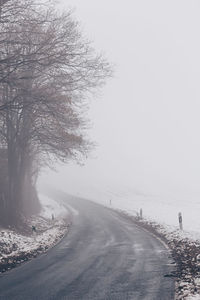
column 104, row 257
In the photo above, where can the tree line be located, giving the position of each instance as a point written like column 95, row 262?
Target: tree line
column 47, row 70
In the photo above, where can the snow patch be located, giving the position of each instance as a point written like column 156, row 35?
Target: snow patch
column 51, row 207
column 15, row 248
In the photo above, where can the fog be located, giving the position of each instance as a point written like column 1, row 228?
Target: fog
column 146, row 120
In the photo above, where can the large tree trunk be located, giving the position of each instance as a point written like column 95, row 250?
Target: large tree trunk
column 29, row 198
column 22, row 196
column 14, row 187
column 23, row 200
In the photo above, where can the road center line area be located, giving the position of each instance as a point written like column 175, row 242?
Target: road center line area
column 103, row 257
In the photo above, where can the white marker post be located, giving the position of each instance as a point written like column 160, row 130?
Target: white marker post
column 141, row 213
column 180, row 219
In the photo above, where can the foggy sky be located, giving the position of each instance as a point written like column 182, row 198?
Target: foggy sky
column 147, row 120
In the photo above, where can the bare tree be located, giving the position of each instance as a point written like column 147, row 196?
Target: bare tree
column 47, row 70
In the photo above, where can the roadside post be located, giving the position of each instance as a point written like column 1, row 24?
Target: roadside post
column 34, row 232
column 141, row 213
column 180, row 219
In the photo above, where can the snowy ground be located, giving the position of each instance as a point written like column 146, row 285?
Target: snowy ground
column 16, row 248
column 186, row 253
column 160, row 216
column 162, row 209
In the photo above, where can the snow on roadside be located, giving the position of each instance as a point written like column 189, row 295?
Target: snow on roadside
column 16, row 248
column 160, row 216
column 51, row 207
column 162, row 209
column 185, row 250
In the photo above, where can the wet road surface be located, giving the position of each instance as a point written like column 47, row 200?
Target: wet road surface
column 104, row 256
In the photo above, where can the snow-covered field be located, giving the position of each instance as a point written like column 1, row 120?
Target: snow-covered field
column 161, row 209
column 16, row 248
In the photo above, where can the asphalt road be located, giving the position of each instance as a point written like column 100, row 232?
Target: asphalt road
column 104, row 257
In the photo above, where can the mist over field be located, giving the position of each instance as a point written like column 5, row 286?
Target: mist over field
column 146, row 121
